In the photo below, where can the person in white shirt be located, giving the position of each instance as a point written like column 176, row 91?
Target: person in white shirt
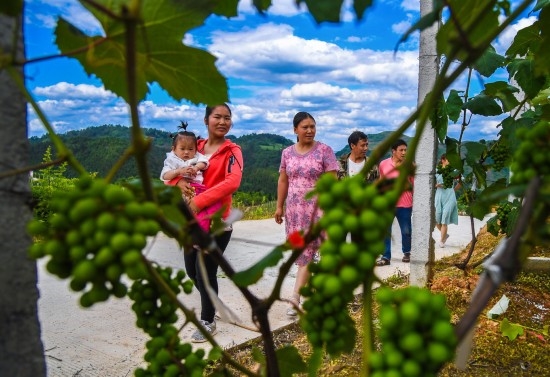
column 352, row 163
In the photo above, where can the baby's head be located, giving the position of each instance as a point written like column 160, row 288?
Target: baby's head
column 184, row 143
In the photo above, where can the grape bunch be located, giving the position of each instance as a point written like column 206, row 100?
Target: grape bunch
column 156, row 314
column 500, row 154
column 415, row 332
column 94, row 236
column 531, row 158
column 366, row 212
column 447, row 172
column 503, row 210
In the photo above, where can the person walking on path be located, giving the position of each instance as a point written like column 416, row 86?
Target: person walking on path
column 352, row 163
column 222, row 179
column 446, row 208
column 389, row 168
column 301, row 166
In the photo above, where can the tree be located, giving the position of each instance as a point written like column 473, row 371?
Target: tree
column 21, row 349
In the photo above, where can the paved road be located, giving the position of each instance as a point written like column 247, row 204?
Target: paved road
column 103, row 341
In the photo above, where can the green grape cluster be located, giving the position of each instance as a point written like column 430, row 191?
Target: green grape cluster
column 156, row 314
column 531, row 158
column 94, row 236
column 447, row 172
column 366, row 213
column 503, row 211
column 500, row 154
column 415, row 331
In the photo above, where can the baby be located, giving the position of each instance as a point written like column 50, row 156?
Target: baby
column 184, row 161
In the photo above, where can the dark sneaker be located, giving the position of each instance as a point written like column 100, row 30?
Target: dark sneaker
column 198, row 337
column 383, row 262
column 406, row 258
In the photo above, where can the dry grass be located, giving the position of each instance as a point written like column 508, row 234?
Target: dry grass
column 492, row 353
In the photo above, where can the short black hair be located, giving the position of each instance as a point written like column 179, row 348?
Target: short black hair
column 398, row 143
column 356, row 136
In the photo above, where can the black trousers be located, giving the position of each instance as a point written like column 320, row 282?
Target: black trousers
column 191, row 257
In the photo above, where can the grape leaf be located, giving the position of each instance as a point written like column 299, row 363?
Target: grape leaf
column 184, row 72
column 11, row 8
column 253, row 274
column 290, row 361
column 454, row 105
column 469, row 18
column 523, row 71
column 324, row 10
column 489, row 62
column 510, row 330
column 504, row 92
column 483, row 104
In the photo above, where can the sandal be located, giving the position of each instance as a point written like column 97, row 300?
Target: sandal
column 383, row 262
column 406, row 258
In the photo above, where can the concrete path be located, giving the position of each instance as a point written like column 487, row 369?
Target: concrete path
column 103, row 341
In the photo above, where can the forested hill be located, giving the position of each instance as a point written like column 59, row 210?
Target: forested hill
column 98, row 148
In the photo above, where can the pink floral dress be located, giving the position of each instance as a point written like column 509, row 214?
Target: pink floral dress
column 303, row 171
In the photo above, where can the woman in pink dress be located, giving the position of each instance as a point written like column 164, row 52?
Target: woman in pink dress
column 301, row 166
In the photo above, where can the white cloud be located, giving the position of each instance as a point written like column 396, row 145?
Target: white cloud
column 506, row 38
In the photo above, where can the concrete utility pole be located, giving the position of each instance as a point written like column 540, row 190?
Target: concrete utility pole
column 424, row 185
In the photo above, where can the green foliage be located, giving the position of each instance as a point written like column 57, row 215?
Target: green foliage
column 46, row 182
column 184, row 72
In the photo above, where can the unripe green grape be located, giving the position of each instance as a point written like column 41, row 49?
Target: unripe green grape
column 73, row 237
column 349, row 251
column 55, row 248
column 88, row 228
column 77, row 253
column 77, row 285
column 410, row 368
column 83, row 209
column 138, row 240
column 339, row 189
column 369, row 219
column 131, row 258
column 125, row 225
column 120, row 241
column 335, row 215
column 325, row 201
column 349, row 275
column 328, row 247
column 86, row 300
column 331, row 286
column 351, row 223
column 119, row 290
column 438, row 353
column 365, row 261
column 59, row 221
column 153, row 227
column 188, row 286
column 84, row 271
column 329, row 262
column 106, row 221
column 389, row 318
column 104, row 256
column 336, row 233
column 358, row 197
column 115, row 195
column 149, row 210
column 411, row 342
column 113, row 272
column 102, row 238
column 394, row 358
column 132, row 210
column 37, row 228
column 443, row 331
column 36, row 250
column 380, row 203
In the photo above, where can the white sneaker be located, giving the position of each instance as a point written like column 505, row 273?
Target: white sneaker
column 198, row 337
column 441, row 244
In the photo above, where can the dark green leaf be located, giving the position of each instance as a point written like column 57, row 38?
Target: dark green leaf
column 483, row 105
column 184, row 72
column 290, row 361
column 254, row 273
column 360, row 6
column 454, row 105
column 525, row 39
column 439, row 118
column 489, row 62
column 543, row 51
column 229, row 8
column 324, row 10
column 11, row 8
column 315, row 361
column 487, row 198
column 541, row 4
column 453, row 156
column 470, row 25
column 522, row 70
column 504, row 92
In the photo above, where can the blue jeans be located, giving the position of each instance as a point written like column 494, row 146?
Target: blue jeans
column 404, row 216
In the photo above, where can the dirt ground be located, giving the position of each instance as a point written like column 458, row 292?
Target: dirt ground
column 492, row 353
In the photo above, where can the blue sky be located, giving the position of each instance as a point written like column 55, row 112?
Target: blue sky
column 347, row 76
